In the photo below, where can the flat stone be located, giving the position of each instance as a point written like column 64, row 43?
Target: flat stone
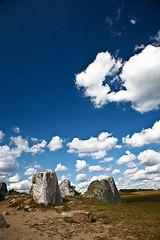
column 3, row 223
column 82, row 217
column 68, row 214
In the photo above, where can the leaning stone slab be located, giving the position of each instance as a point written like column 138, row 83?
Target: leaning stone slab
column 82, row 217
column 104, row 190
column 3, row 223
column 45, row 188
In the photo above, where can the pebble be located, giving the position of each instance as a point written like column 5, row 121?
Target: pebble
column 6, row 213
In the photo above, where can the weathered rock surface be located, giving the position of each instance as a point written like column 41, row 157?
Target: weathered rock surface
column 45, row 188
column 104, row 190
column 66, row 189
column 3, row 223
column 116, row 195
column 3, row 187
column 81, row 216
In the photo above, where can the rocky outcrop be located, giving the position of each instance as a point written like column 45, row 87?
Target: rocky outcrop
column 104, row 190
column 66, row 189
column 3, row 187
column 45, row 188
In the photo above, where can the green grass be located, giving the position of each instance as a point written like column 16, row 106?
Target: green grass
column 138, row 217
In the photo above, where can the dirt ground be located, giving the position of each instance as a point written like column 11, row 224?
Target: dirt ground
column 49, row 223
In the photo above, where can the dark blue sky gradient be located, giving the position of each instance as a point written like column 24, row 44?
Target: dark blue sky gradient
column 44, row 43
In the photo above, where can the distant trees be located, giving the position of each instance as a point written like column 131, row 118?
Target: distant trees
column 134, row 190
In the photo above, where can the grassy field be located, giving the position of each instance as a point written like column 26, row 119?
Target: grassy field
column 138, row 217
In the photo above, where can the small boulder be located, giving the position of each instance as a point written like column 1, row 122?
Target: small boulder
column 66, row 189
column 82, row 217
column 45, row 188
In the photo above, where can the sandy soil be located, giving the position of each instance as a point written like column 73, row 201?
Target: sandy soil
column 40, row 224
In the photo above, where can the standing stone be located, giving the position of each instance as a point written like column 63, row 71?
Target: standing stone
column 3, row 187
column 45, row 188
column 66, row 189
column 104, row 190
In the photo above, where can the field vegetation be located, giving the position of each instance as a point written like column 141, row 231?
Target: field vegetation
column 138, row 217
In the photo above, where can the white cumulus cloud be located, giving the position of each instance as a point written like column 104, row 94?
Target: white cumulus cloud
column 139, row 80
column 129, row 157
column 55, row 143
column 149, row 157
column 14, row 179
column 146, row 136
column 156, row 39
column 38, row 148
column 1, row 135
column 93, row 147
column 99, row 177
column 116, row 171
column 60, row 168
column 20, row 186
column 30, row 171
column 106, row 160
column 81, row 177
column 81, row 165
column 96, row 168
column 93, row 77
column 16, row 129
column 130, row 171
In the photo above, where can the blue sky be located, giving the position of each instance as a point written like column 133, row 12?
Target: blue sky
column 80, row 91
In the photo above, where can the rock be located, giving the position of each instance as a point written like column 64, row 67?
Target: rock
column 18, row 208
column 81, row 216
column 12, row 201
column 59, row 207
column 3, row 187
column 26, row 207
column 116, row 195
column 104, row 190
column 3, row 223
column 45, row 188
column 66, row 189
column 6, row 213
column 68, row 214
